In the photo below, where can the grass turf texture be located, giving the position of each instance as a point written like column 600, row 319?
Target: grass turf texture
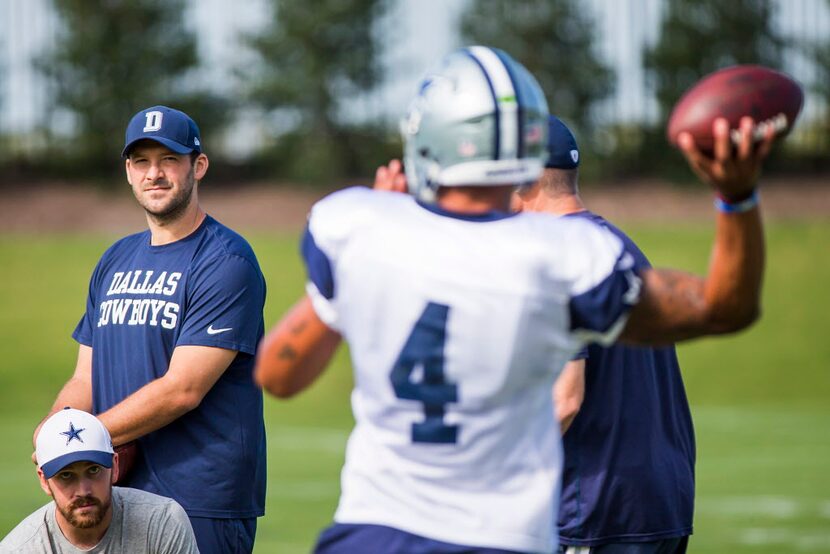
column 759, row 399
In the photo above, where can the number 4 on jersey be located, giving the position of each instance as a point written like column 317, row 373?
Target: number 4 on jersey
column 425, row 347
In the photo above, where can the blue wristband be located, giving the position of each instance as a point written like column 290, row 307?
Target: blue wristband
column 737, row 207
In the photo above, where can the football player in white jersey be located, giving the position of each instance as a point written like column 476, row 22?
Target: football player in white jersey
column 454, row 309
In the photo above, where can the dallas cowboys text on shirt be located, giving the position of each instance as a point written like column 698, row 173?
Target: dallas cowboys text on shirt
column 141, row 311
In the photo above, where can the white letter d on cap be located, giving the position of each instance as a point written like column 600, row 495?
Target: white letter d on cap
column 153, row 122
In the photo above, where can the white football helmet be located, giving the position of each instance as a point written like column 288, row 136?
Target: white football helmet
column 479, row 119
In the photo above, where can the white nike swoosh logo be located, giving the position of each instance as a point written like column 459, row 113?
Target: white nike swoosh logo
column 212, row 331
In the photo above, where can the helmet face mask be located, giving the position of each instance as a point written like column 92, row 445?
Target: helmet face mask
column 479, row 119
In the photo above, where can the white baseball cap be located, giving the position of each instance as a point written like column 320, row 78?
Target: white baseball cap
column 70, row 436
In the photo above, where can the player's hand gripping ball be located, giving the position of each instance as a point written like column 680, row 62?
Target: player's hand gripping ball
column 769, row 97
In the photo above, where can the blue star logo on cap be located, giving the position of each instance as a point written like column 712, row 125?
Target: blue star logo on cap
column 73, row 433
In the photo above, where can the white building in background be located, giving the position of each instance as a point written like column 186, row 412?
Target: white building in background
column 420, row 32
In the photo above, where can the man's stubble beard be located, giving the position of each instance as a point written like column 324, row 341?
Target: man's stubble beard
column 178, row 204
column 88, row 521
column 68, row 512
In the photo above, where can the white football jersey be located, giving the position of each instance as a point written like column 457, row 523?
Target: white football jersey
column 457, row 327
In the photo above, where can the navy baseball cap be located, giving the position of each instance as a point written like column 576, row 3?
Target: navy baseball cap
column 172, row 128
column 563, row 152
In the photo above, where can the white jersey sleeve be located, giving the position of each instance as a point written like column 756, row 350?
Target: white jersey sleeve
column 603, row 283
column 326, row 237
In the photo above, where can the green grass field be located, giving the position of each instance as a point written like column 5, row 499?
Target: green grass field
column 760, row 400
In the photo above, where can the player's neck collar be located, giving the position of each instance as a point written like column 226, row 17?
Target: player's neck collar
column 483, row 217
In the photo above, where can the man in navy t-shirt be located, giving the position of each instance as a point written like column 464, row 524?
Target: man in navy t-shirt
column 628, row 474
column 167, row 342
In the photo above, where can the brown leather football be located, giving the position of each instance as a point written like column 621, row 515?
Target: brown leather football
column 768, row 96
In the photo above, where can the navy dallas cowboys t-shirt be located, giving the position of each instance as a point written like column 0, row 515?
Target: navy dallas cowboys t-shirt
column 206, row 289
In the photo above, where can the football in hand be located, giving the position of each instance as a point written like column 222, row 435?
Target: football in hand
column 770, row 97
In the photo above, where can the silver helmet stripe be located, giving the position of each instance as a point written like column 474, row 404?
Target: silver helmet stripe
column 506, row 102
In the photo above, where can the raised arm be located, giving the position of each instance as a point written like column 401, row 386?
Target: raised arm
column 674, row 305
column 295, row 352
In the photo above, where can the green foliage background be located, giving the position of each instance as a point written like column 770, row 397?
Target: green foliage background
column 759, row 400
column 555, row 41
column 701, row 36
column 314, row 59
column 313, row 75
column 110, row 60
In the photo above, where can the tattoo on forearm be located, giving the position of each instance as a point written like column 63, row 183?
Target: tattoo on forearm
column 287, row 353
column 298, row 327
column 683, row 292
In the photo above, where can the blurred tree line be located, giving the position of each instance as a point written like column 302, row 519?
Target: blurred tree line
column 313, row 59
column 556, row 40
column 112, row 59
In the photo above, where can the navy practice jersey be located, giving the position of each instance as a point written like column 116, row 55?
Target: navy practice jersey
column 457, row 326
column 630, row 452
column 207, row 290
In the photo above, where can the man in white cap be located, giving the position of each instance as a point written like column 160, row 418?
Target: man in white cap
column 76, row 465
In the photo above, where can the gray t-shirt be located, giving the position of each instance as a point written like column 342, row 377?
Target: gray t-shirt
column 141, row 522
